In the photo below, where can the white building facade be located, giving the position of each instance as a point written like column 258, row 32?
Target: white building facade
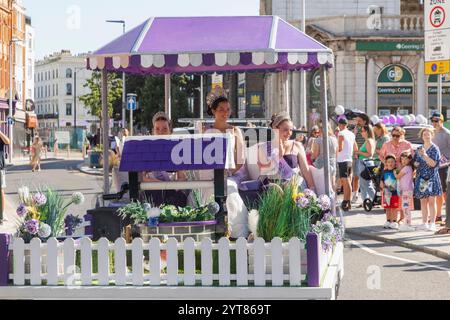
column 378, row 47
column 29, row 60
column 56, row 104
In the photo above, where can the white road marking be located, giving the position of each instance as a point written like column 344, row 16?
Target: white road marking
column 371, row 251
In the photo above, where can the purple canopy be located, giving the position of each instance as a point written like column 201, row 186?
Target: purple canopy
column 212, row 44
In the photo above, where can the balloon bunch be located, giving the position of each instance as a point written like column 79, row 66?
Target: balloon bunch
column 399, row 120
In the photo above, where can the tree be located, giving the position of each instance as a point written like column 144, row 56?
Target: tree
column 150, row 92
column 93, row 100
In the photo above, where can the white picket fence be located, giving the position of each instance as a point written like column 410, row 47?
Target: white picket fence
column 285, row 260
column 172, row 270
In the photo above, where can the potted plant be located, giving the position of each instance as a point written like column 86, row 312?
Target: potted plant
column 171, row 221
column 42, row 215
column 286, row 212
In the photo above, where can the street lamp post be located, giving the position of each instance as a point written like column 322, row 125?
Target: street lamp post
column 124, row 88
column 75, row 103
column 11, row 71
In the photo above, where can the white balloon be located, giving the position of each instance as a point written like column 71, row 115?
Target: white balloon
column 375, row 119
column 340, row 110
column 420, row 119
column 413, row 118
column 407, row 119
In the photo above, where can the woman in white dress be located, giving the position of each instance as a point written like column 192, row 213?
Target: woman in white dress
column 220, row 109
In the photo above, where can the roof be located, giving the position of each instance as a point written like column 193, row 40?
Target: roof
column 211, row 44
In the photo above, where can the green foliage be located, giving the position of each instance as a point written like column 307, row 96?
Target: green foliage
column 269, row 211
column 280, row 216
column 150, row 92
column 54, row 211
column 171, row 214
column 93, row 100
column 134, row 210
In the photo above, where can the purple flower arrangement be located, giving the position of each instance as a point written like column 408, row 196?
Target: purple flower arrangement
column 331, row 230
column 71, row 223
column 42, row 214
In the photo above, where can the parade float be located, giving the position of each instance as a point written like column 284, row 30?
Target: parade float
column 296, row 250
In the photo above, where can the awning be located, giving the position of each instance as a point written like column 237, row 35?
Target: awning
column 212, row 44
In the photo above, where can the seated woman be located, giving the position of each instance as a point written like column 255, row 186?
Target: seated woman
column 162, row 126
column 220, row 109
column 285, row 158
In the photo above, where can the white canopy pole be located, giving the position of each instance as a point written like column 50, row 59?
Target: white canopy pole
column 286, row 93
column 105, row 120
column 202, row 94
column 326, row 152
column 168, row 94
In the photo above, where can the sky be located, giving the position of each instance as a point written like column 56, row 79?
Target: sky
column 79, row 25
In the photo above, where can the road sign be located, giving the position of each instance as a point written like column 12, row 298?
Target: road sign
column 131, row 102
column 437, row 36
column 10, row 121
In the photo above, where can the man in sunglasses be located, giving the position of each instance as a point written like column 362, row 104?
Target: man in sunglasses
column 442, row 140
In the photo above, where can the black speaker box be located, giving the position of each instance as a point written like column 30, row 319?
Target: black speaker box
column 106, row 223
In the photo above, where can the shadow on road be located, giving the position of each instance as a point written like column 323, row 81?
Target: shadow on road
column 49, row 164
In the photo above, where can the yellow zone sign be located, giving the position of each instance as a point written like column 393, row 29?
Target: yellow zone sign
column 437, row 67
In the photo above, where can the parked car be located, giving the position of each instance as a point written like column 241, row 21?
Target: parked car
column 412, row 134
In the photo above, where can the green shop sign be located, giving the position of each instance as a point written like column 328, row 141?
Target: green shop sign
column 395, row 74
column 433, row 90
column 434, row 78
column 390, row 46
column 395, row 90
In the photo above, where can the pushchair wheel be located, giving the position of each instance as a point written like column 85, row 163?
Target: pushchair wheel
column 368, row 205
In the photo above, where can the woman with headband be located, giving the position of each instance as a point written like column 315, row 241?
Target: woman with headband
column 283, row 156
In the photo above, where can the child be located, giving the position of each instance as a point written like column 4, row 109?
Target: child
column 406, row 188
column 389, row 192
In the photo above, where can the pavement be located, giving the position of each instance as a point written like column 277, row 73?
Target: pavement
column 370, row 225
column 376, row 270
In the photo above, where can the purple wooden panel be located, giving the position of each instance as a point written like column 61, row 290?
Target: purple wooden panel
column 313, row 267
column 5, row 240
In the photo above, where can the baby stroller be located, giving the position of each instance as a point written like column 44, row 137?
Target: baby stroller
column 372, row 173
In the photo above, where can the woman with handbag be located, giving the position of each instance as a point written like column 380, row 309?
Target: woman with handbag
column 365, row 153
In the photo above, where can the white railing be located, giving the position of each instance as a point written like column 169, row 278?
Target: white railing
column 156, row 264
column 359, row 24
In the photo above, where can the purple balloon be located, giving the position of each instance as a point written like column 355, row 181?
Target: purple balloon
column 392, row 119
column 400, row 121
column 386, row 119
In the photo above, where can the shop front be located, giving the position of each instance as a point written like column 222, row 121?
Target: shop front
column 432, row 95
column 395, row 91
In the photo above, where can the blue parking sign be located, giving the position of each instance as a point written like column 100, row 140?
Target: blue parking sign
column 131, row 102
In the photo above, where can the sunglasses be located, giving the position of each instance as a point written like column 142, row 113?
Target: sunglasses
column 435, row 121
column 396, row 136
